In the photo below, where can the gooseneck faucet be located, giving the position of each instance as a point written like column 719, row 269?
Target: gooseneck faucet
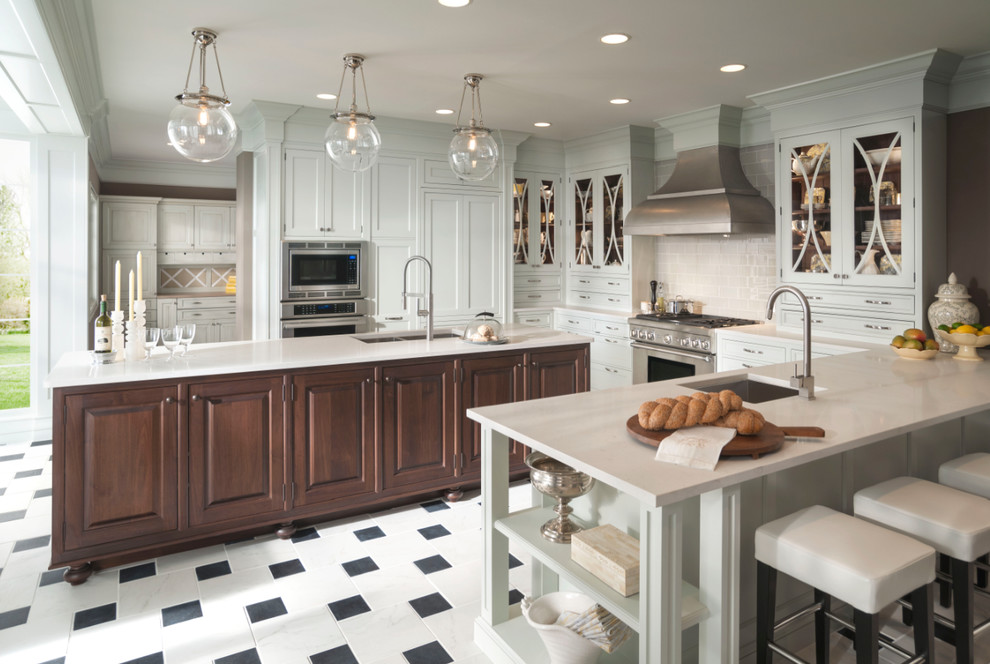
column 427, row 296
column 806, row 382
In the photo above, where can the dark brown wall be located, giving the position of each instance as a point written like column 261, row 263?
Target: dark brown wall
column 206, row 193
column 968, row 213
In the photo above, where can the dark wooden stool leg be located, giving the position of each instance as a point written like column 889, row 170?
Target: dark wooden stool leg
column 822, row 627
column 981, row 574
column 944, row 588
column 766, row 600
column 963, row 596
column 923, row 603
column 867, row 637
column 907, row 616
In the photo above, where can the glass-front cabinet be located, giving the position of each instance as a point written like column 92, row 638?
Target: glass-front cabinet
column 535, row 228
column 846, row 206
column 599, row 209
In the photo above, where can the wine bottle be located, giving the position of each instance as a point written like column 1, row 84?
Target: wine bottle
column 101, row 329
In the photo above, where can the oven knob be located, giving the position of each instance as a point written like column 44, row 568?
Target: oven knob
column 651, row 336
column 685, row 342
column 632, row 333
column 695, row 343
column 667, row 339
column 706, row 345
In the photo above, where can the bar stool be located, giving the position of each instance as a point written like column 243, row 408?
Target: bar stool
column 969, row 473
column 859, row 563
column 954, row 522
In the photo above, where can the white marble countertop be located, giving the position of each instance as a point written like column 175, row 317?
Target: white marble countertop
column 861, row 397
column 76, row 369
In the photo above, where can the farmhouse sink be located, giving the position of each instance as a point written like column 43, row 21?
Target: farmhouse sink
column 752, row 389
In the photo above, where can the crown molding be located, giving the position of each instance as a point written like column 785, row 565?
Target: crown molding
column 191, row 174
column 970, row 87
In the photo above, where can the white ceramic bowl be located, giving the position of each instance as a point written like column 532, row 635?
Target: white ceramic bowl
column 968, row 343
column 876, row 156
column 912, row 354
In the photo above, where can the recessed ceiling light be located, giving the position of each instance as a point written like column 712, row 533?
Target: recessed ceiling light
column 541, row 124
column 615, row 38
column 454, row 3
column 326, row 95
column 618, row 101
column 444, row 111
column 731, row 69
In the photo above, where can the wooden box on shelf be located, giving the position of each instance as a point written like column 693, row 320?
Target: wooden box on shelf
column 609, row 554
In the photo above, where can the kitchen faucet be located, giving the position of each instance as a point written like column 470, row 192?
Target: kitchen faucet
column 428, row 295
column 805, row 383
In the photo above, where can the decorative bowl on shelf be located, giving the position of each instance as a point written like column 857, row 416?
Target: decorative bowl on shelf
column 877, row 156
column 968, row 343
column 912, row 354
column 561, row 482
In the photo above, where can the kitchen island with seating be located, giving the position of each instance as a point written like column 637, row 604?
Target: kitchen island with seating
column 883, row 416
column 231, row 439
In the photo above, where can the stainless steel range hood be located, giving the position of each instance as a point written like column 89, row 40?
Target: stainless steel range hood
column 708, row 192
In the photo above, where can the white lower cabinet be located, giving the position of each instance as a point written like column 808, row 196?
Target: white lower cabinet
column 534, row 317
column 611, row 355
column 215, row 317
column 741, row 350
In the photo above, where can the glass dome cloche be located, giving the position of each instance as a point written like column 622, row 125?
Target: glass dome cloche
column 484, row 329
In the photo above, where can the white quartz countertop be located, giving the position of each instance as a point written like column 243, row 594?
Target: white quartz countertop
column 75, row 369
column 772, row 331
column 862, row 397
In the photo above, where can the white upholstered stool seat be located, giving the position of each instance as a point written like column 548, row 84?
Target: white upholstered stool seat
column 862, row 564
column 955, row 522
column 970, row 473
column 840, row 556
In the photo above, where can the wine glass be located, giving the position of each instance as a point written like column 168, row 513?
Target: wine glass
column 186, row 333
column 151, row 335
column 170, row 337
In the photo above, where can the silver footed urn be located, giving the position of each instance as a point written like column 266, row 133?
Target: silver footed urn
column 561, row 482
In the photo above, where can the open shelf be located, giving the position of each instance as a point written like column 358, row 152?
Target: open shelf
column 523, row 528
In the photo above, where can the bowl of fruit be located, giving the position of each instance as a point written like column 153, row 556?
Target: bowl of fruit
column 968, row 337
column 914, row 344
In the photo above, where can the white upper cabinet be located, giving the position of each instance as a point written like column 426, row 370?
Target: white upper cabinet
column 214, row 228
column 847, row 217
column 323, row 202
column 394, row 192
column 536, row 223
column 194, row 228
column 462, row 238
column 599, row 206
column 128, row 222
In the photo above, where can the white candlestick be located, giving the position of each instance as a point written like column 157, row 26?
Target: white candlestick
column 116, row 286
column 130, row 294
column 139, row 272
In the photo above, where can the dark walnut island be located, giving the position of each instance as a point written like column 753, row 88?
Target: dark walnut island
column 235, row 439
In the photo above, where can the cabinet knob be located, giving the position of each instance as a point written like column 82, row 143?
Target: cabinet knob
column 367, row 381
column 195, row 397
column 169, row 400
column 388, row 379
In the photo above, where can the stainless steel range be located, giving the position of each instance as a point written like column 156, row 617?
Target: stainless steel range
column 669, row 345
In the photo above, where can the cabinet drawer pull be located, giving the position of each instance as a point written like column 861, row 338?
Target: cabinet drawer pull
column 611, row 327
column 584, row 297
column 815, row 297
column 535, row 297
column 195, row 397
column 531, row 320
column 169, row 400
column 533, row 281
column 876, row 327
column 393, row 317
column 596, row 267
column 609, row 370
column 813, row 320
column 613, row 299
column 609, row 341
column 583, row 281
column 614, row 283
column 573, row 322
column 884, row 302
column 747, row 366
column 750, row 350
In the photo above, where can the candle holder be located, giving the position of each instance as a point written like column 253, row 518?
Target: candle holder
column 134, row 348
column 117, row 334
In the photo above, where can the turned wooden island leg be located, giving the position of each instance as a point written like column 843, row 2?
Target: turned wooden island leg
column 78, row 573
column 453, row 494
column 286, row 530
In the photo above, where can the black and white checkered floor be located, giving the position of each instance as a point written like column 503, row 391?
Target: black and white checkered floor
column 401, row 586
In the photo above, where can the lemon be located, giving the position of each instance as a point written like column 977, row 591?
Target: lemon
column 965, row 329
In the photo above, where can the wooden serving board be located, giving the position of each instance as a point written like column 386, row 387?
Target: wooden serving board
column 769, row 439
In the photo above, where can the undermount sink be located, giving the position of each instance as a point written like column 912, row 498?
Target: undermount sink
column 747, row 387
column 406, row 336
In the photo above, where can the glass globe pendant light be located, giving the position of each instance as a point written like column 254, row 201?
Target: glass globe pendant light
column 352, row 140
column 473, row 153
column 200, row 127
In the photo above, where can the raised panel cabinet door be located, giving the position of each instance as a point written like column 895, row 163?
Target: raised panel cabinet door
column 417, row 423
column 121, row 461
column 390, row 258
column 212, row 227
column 236, row 455
column 333, row 437
column 394, row 192
column 129, row 225
column 488, row 381
column 347, row 201
column 175, row 227
column 305, row 173
column 128, row 262
column 483, row 269
column 556, row 372
column 445, row 246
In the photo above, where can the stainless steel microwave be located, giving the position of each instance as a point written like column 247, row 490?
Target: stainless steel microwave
column 323, row 270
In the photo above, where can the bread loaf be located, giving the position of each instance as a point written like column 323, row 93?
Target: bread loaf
column 722, row 409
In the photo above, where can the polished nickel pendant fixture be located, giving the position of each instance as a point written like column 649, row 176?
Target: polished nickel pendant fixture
column 200, row 127
column 473, row 153
column 352, row 140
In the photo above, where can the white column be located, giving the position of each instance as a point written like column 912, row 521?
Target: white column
column 661, row 550
column 494, row 505
column 718, row 575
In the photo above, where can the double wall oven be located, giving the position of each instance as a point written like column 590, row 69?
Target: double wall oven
column 669, row 345
column 324, row 288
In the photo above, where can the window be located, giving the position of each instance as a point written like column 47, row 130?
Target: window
column 15, row 279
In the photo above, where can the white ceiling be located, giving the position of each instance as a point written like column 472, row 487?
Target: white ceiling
column 541, row 59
